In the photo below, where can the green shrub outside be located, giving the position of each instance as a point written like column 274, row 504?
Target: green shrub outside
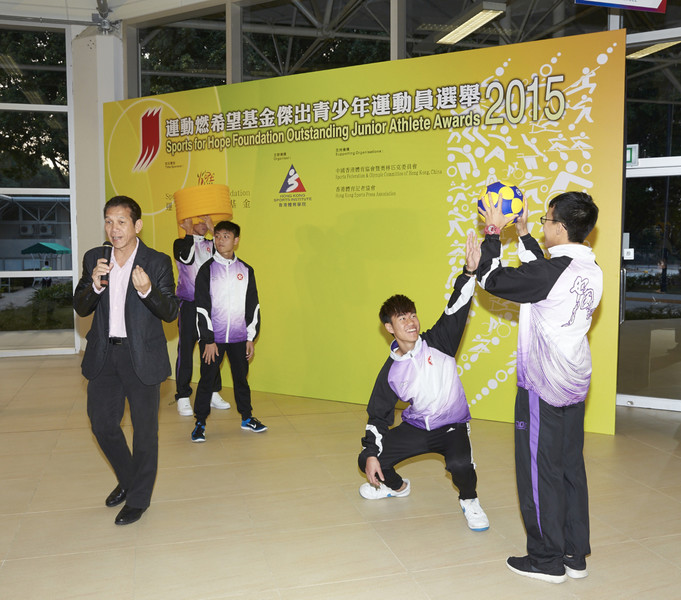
column 650, row 282
column 48, row 308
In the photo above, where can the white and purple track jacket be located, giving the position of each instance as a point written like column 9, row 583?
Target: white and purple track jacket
column 190, row 253
column 426, row 378
column 557, row 297
column 227, row 306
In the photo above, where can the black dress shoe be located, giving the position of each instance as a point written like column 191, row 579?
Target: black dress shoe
column 116, row 497
column 129, row 515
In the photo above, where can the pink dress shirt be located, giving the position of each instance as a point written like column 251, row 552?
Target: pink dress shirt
column 119, row 277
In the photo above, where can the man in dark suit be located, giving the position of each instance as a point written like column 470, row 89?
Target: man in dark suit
column 126, row 354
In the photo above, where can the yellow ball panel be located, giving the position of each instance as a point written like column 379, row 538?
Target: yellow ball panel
column 517, row 205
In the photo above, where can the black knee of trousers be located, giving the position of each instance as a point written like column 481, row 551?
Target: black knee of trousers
column 460, row 467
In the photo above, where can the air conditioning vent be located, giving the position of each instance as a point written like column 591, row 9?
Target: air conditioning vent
column 26, row 230
column 46, row 230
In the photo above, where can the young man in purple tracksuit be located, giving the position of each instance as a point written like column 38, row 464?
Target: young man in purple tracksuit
column 421, row 370
column 228, row 319
column 190, row 253
column 557, row 297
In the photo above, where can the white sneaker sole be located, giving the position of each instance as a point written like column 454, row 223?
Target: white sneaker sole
column 576, row 573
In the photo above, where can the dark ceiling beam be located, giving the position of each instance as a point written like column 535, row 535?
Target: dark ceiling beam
column 306, row 13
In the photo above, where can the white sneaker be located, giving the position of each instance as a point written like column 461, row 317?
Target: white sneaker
column 216, row 401
column 184, row 407
column 576, row 573
column 575, row 568
column 368, row 491
column 476, row 517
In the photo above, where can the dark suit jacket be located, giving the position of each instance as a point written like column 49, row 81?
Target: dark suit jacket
column 146, row 339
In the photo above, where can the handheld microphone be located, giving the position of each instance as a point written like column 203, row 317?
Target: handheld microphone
column 106, row 253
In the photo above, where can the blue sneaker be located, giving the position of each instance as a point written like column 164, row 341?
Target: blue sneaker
column 252, row 424
column 199, row 433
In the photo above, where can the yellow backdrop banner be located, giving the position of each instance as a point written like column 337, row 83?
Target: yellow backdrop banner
column 351, row 185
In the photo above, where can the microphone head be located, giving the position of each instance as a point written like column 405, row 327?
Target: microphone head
column 107, row 247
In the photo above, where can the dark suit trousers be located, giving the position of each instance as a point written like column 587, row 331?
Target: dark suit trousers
column 106, row 394
column 188, row 336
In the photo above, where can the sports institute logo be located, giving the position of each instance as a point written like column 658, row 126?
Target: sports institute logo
column 150, row 139
column 292, row 183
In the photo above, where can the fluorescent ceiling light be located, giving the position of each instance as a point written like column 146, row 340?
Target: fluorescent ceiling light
column 481, row 13
column 651, row 49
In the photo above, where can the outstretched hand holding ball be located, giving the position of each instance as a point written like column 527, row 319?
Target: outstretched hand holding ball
column 501, row 204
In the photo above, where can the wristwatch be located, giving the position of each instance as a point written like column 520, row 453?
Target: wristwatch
column 492, row 230
column 467, row 272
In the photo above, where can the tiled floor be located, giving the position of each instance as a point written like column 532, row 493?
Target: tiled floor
column 277, row 515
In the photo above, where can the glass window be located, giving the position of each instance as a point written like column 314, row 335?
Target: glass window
column 35, row 238
column 36, row 268
column 35, row 232
column 284, row 38
column 641, row 21
column 281, row 39
column 650, row 334
column 183, row 56
column 650, row 337
column 263, row 56
column 652, row 218
column 523, row 21
column 35, row 304
column 35, row 149
column 278, row 39
column 32, row 67
column 653, row 100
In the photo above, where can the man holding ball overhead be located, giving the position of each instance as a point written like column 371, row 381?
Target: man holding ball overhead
column 557, row 297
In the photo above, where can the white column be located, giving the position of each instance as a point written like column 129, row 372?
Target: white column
column 98, row 77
